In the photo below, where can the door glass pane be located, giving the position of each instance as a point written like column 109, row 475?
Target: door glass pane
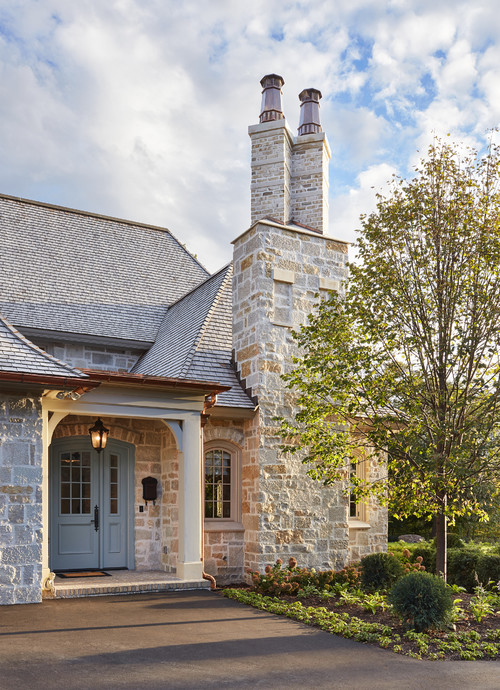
column 75, row 483
column 113, row 483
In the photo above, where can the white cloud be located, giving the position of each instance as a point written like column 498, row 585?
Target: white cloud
column 139, row 108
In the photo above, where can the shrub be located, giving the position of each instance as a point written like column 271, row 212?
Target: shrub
column 421, row 601
column 380, row 571
column 278, row 579
column 428, row 556
column 462, row 567
column 488, row 569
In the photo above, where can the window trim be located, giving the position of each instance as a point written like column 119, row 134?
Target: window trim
column 234, row 521
column 360, row 520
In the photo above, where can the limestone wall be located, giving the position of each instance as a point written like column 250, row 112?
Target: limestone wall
column 289, row 175
column 288, row 513
column 20, row 499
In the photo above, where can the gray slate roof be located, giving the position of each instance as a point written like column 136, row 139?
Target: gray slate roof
column 18, row 354
column 195, row 340
column 66, row 270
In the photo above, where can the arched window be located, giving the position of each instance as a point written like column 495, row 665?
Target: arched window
column 222, row 491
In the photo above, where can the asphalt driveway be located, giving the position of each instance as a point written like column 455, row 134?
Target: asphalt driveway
column 199, row 640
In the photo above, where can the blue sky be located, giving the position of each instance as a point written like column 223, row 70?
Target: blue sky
column 140, row 108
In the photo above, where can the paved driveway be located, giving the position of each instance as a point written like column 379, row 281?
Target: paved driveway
column 199, row 640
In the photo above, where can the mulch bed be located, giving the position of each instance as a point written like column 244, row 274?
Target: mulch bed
column 491, row 622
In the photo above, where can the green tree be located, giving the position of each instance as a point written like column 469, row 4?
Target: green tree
column 406, row 362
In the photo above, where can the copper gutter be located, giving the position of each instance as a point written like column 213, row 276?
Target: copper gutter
column 99, row 376
column 47, row 379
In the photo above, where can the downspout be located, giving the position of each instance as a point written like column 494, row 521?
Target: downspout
column 210, row 401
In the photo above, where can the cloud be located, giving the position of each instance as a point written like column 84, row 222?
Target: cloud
column 139, row 108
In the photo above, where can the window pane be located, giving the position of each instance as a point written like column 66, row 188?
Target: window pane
column 75, row 491
column 65, row 474
column 86, row 506
column 75, row 506
column 217, row 484
column 65, row 492
column 113, row 506
column 65, row 509
column 86, row 490
column 75, row 474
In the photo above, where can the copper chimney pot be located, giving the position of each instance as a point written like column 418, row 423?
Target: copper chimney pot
column 271, row 98
column 309, row 112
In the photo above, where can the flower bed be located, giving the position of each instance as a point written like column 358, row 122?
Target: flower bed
column 342, row 608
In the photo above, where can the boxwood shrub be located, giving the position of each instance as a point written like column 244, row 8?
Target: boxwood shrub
column 380, row 571
column 422, row 601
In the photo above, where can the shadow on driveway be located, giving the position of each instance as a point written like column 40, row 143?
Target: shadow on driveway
column 200, row 640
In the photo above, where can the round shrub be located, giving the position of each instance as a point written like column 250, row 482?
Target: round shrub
column 380, row 571
column 488, row 569
column 422, row 601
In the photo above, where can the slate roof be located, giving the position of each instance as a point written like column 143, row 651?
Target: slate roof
column 71, row 271
column 195, row 340
column 18, row 354
column 81, row 274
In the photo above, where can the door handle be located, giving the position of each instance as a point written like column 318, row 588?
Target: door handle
column 96, row 518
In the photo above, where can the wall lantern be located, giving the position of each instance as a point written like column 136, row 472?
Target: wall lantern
column 98, row 435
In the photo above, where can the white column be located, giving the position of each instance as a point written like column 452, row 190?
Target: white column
column 189, row 564
column 45, row 493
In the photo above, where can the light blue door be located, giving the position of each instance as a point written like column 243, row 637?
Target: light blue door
column 91, row 505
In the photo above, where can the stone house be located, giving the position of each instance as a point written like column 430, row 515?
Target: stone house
column 106, row 319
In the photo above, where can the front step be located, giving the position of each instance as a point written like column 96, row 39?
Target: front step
column 125, row 582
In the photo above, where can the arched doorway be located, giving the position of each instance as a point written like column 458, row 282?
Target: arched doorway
column 91, row 505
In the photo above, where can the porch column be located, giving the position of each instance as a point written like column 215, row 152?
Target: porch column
column 189, row 565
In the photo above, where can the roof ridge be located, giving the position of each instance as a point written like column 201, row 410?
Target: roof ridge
column 206, row 320
column 38, row 350
column 196, row 287
column 90, row 214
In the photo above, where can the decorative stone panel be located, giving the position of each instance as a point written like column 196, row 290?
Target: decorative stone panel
column 20, row 499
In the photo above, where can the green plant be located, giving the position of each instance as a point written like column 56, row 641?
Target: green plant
column 462, row 565
column 372, row 602
column 421, row 601
column 488, row 569
column 428, row 555
column 480, row 605
column 380, row 571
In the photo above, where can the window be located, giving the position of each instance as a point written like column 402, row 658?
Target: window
column 217, row 484
column 357, row 511
column 221, row 475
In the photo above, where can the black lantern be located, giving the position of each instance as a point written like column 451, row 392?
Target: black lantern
column 98, row 435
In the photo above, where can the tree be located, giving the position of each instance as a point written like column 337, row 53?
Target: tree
column 406, row 362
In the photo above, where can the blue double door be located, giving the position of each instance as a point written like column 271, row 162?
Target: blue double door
column 91, row 517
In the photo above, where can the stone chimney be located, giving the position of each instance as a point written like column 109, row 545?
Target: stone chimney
column 289, row 174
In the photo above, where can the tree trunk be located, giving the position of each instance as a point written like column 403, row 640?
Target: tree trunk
column 441, row 550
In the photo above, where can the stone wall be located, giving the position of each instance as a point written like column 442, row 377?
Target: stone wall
column 288, row 513
column 224, row 543
column 85, row 356
column 289, row 175
column 20, row 499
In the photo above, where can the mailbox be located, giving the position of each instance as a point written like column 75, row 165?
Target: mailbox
column 149, row 489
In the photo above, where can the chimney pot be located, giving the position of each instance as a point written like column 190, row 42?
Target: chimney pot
column 271, row 98
column 309, row 112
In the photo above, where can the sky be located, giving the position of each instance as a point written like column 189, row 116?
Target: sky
column 139, row 109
